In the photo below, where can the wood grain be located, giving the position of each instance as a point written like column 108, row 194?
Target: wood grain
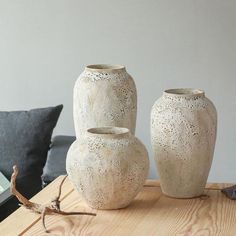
column 118, row 219
column 151, row 213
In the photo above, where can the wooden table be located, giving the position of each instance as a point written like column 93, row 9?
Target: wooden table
column 151, row 213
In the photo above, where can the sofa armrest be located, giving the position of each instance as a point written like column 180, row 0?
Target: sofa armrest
column 56, row 159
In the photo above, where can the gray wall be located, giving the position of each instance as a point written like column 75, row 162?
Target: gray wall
column 44, row 46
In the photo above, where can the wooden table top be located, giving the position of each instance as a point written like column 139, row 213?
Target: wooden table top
column 151, row 213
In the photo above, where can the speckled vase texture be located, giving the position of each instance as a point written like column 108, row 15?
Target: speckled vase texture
column 104, row 95
column 183, row 134
column 108, row 166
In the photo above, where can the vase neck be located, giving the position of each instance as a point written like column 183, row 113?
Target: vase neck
column 185, row 93
column 105, row 68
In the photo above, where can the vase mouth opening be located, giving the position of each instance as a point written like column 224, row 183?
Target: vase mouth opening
column 185, row 92
column 109, row 130
column 105, row 67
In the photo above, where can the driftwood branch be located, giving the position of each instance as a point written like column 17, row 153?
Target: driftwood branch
column 51, row 208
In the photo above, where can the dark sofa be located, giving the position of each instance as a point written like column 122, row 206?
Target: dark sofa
column 54, row 167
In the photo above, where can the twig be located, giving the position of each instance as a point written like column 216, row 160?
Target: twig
column 51, row 208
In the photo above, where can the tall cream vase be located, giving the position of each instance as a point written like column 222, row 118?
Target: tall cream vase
column 183, row 134
column 108, row 166
column 104, row 95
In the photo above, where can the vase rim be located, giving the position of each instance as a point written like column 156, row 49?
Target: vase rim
column 109, row 131
column 184, row 92
column 104, row 67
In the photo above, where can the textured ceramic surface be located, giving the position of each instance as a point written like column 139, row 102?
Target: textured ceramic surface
column 108, row 166
column 183, row 133
column 104, row 95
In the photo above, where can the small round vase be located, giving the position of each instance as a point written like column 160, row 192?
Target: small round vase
column 104, row 95
column 108, row 166
column 183, row 134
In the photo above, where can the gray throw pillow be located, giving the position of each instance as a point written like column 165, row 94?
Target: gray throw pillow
column 24, row 141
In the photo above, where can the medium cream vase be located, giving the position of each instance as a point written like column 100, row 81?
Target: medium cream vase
column 108, row 166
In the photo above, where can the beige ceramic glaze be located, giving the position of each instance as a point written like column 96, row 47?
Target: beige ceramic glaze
column 104, row 95
column 183, row 133
column 108, row 167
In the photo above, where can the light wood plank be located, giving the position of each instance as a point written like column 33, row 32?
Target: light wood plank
column 22, row 219
column 213, row 216
column 151, row 213
column 216, row 186
column 105, row 223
